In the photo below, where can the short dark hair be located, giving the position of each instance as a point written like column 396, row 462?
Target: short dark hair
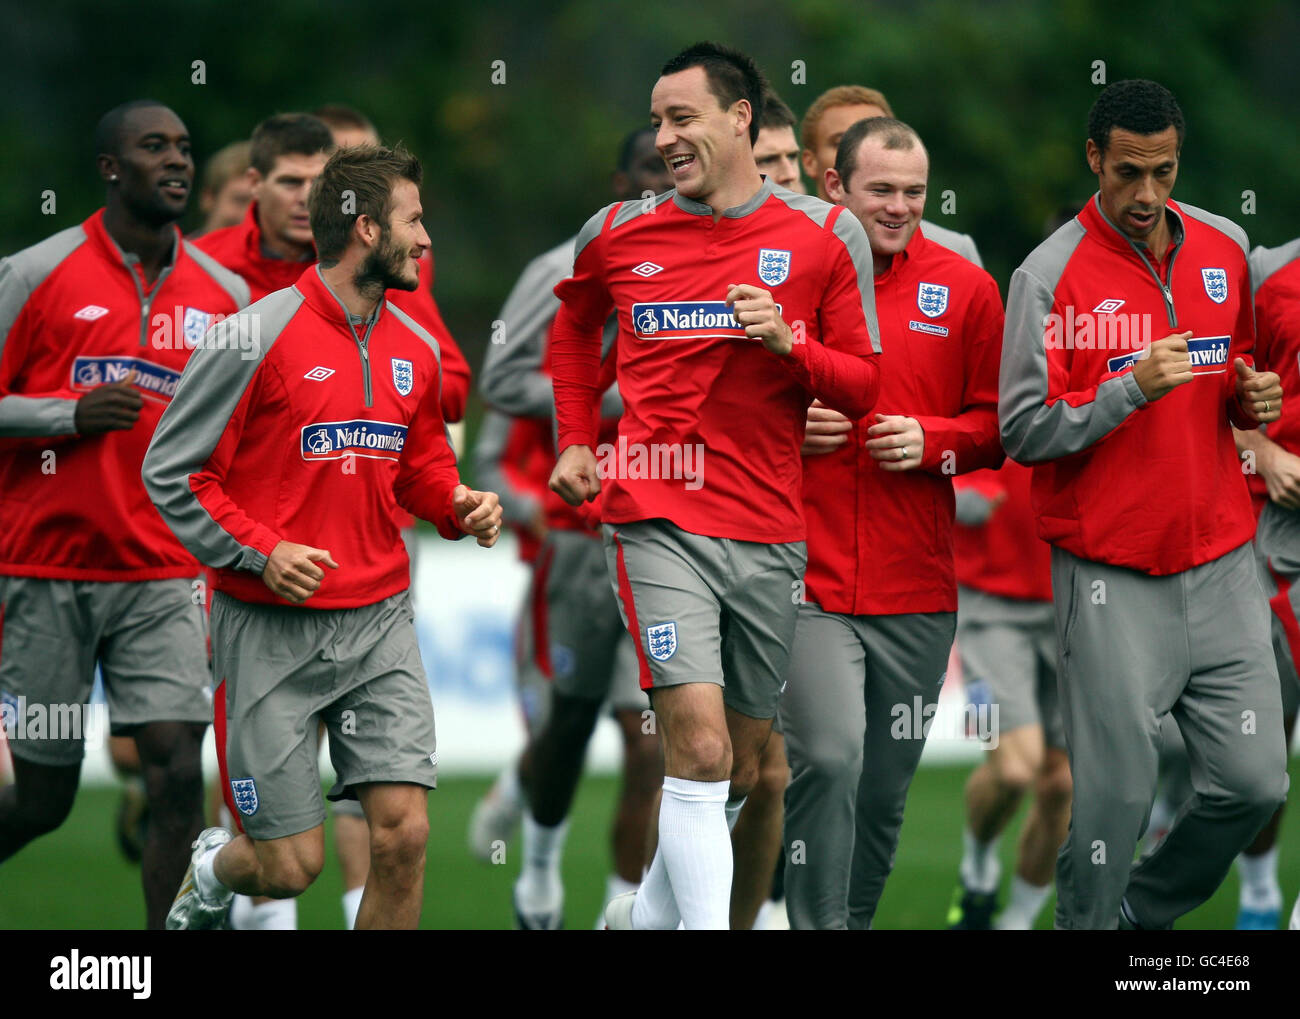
column 896, row 136
column 776, row 113
column 627, row 147
column 732, row 76
column 337, row 115
column 108, row 132
column 288, row 134
column 369, row 172
column 1137, row 105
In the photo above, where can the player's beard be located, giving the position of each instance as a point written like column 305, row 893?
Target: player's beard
column 382, row 269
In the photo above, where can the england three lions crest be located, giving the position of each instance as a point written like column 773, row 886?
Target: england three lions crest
column 932, row 299
column 661, row 641
column 773, row 266
column 403, row 376
column 1216, row 284
column 245, row 794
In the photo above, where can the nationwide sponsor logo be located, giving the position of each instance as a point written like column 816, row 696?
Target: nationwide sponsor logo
column 932, row 299
column 403, row 376
column 151, row 379
column 661, row 641
column 676, row 320
column 1208, row 354
column 319, row 374
column 928, row 327
column 91, row 312
column 1109, row 306
column 245, row 793
column 1216, row 284
column 647, row 269
column 196, row 324
column 333, row 440
column 773, row 266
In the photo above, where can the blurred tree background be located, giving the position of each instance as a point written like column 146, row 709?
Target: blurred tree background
column 999, row 91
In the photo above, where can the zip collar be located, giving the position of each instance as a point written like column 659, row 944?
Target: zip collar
column 98, row 233
column 899, row 263
column 317, row 293
column 737, row 212
column 1108, row 233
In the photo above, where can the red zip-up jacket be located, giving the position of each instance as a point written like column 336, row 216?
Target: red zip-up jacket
column 693, row 384
column 880, row 542
column 316, row 439
column 1155, row 487
column 1275, row 274
column 239, row 248
column 75, row 313
column 1001, row 555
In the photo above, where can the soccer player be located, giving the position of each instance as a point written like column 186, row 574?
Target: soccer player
column 737, row 302
column 578, row 654
column 824, row 125
column 876, row 625
column 96, row 324
column 1275, row 277
column 226, row 192
column 1006, row 638
column 776, row 153
column 1138, row 488
column 334, row 418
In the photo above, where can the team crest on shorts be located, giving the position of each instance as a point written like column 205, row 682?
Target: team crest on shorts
column 932, row 299
column 1216, row 284
column 773, row 266
column 403, row 376
column 245, row 792
column 661, row 641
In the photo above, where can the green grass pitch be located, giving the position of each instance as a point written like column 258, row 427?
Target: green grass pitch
column 76, row 878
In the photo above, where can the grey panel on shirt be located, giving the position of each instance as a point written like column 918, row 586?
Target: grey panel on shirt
column 963, row 244
column 1033, row 432
column 1220, row 223
column 512, row 380
column 232, row 283
column 518, row 506
column 20, row 275
column 1266, row 261
column 215, row 380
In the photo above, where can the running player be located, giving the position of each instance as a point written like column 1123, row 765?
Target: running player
column 1006, row 639
column 824, row 125
column 737, row 301
column 1138, row 488
column 1275, row 276
column 96, row 324
column 577, row 643
column 876, row 628
column 338, row 407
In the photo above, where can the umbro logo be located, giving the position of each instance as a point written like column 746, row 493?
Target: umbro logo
column 648, row 269
column 91, row 312
column 1108, row 306
column 319, row 373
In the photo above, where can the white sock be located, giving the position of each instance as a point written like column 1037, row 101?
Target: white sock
column 1294, row 924
column 351, row 904
column 539, row 886
column 1259, row 887
column 1162, row 816
column 733, row 810
column 764, row 912
column 980, row 869
column 209, row 886
column 614, row 886
column 506, row 787
column 696, row 847
column 1026, row 902
column 276, row 915
column 655, row 908
column 241, row 913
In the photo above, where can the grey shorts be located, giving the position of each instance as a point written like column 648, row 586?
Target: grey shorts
column 283, row 668
column 708, row 610
column 571, row 638
column 149, row 638
column 1010, row 647
column 1277, row 557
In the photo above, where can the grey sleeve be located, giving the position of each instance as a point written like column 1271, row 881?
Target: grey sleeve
column 854, row 237
column 512, row 380
column 973, row 508
column 518, row 506
column 1032, row 430
column 22, row 416
column 215, row 380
